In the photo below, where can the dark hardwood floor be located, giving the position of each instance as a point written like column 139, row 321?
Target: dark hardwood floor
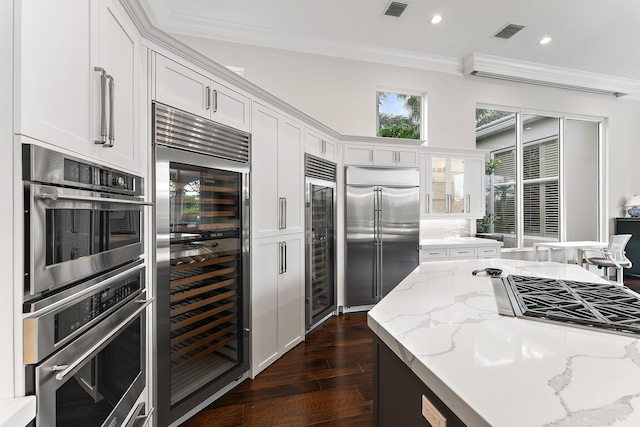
column 325, row 381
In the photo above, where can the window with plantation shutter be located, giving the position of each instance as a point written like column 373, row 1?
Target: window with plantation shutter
column 504, row 192
column 541, row 196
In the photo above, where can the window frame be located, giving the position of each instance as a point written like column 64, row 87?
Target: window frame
column 602, row 202
column 423, row 110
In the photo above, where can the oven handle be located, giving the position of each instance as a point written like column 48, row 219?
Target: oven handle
column 56, row 196
column 67, row 369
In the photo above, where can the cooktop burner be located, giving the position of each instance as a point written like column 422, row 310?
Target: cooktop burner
column 593, row 305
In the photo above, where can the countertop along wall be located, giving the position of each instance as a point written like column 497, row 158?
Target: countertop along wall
column 341, row 94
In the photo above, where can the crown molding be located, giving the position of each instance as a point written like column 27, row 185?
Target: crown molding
column 547, row 75
column 197, row 26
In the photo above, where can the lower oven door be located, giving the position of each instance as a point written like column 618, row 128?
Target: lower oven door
column 96, row 379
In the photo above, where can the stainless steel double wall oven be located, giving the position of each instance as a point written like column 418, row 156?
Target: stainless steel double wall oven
column 84, row 290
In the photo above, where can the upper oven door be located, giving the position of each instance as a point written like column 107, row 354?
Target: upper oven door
column 74, row 234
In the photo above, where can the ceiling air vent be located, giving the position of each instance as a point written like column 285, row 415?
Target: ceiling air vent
column 508, row 31
column 395, row 9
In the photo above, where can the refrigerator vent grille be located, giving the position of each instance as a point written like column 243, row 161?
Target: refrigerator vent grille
column 178, row 129
column 318, row 168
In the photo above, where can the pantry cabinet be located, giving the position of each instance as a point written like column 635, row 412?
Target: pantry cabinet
column 321, row 146
column 452, row 184
column 76, row 78
column 277, row 298
column 188, row 90
column 391, row 155
column 277, row 176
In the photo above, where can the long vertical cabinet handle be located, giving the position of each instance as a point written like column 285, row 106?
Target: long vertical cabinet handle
column 280, row 213
column 427, row 202
column 284, row 212
column 448, row 203
column 103, row 110
column 207, row 98
column 284, row 257
column 280, row 264
column 374, row 287
column 112, row 119
column 381, row 263
column 468, row 203
column 215, row 101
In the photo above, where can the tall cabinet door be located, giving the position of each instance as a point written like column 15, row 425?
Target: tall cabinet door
column 290, row 176
column 291, row 292
column 119, row 57
column 265, row 204
column 54, row 72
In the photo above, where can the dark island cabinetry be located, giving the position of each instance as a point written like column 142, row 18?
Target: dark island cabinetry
column 399, row 394
column 631, row 226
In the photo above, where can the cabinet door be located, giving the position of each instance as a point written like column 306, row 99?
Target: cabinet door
column 265, row 204
column 474, row 186
column 437, row 170
column 313, row 143
column 54, row 73
column 291, row 293
column 119, row 57
column 181, row 87
column 358, row 155
column 290, row 176
column 230, row 108
column 330, row 150
column 456, row 185
column 265, row 271
column 408, row 157
column 385, row 156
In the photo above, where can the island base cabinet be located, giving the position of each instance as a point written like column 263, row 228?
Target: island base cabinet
column 398, row 394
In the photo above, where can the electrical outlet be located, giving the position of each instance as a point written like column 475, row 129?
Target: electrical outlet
column 431, row 414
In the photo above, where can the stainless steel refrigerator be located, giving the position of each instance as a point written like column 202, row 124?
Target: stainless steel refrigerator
column 383, row 224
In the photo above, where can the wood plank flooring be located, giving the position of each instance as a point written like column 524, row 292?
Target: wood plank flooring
column 325, row 381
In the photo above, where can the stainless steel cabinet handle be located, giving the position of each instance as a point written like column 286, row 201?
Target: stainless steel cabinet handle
column 280, row 259
column 371, row 155
column 280, row 213
column 112, row 119
column 207, row 96
column 284, row 212
column 448, row 203
column 468, row 203
column 67, row 369
column 284, row 244
column 215, row 101
column 103, row 110
column 427, row 202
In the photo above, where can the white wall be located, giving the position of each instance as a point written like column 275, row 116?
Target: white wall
column 341, row 94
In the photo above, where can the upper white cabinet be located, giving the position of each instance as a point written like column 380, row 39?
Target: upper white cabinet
column 76, row 78
column 321, row 146
column 452, row 184
column 277, row 178
column 181, row 87
column 394, row 155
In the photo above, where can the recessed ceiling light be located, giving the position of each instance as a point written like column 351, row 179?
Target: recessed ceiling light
column 436, row 19
column 545, row 40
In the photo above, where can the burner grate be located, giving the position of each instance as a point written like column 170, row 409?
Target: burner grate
column 599, row 305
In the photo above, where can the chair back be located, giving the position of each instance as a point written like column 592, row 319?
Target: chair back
column 617, row 244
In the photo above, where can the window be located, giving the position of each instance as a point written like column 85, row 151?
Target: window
column 399, row 115
column 527, row 198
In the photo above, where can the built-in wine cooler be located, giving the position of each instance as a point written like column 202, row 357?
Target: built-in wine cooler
column 202, row 255
column 321, row 239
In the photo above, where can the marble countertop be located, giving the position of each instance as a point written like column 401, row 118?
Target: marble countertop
column 499, row 371
column 18, row 411
column 456, row 242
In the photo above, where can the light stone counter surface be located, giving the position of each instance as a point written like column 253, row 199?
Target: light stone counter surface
column 503, row 371
column 18, row 411
column 456, row 242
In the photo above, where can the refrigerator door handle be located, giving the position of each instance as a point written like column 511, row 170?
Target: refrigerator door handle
column 380, row 262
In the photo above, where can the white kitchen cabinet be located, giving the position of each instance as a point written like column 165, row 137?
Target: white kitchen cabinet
column 277, row 298
column 58, row 92
column 393, row 155
column 456, row 249
column 181, row 87
column 321, row 146
column 452, row 185
column 277, row 176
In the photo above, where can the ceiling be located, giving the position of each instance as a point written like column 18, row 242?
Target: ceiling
column 589, row 36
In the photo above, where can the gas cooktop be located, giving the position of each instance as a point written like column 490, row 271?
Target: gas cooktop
column 604, row 306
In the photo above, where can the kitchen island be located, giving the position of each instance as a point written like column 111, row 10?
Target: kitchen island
column 490, row 370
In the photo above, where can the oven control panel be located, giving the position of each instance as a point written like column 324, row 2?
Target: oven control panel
column 81, row 313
